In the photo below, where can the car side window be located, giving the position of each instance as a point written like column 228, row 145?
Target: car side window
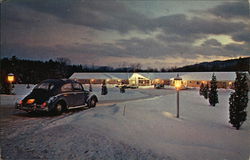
column 67, row 87
column 77, row 87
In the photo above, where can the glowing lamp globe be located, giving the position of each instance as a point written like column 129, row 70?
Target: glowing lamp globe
column 10, row 77
column 177, row 82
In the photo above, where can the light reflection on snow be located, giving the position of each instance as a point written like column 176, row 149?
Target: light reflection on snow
column 168, row 114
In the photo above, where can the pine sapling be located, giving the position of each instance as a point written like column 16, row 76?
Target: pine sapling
column 213, row 95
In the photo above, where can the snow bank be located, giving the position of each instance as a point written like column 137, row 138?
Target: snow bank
column 114, row 93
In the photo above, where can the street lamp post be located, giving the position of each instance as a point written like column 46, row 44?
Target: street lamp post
column 10, row 79
column 177, row 83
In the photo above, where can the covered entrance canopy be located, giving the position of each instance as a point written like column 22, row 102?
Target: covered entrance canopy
column 139, row 80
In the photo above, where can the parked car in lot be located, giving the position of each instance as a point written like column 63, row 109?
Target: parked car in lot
column 159, row 86
column 132, row 86
column 121, row 86
column 127, row 86
column 57, row 95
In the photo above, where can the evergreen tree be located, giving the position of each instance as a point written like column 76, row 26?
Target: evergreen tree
column 205, row 91
column 4, row 84
column 201, row 89
column 213, row 95
column 5, row 88
column 238, row 101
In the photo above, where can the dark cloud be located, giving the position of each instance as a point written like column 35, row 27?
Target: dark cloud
column 211, row 43
column 101, row 15
column 114, row 15
column 32, row 52
column 100, row 50
column 232, row 10
column 177, row 38
column 235, row 49
column 179, row 24
column 76, row 54
column 150, row 47
column 142, row 47
column 229, row 50
column 243, row 35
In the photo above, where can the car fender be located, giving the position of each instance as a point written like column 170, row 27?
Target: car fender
column 54, row 100
column 92, row 95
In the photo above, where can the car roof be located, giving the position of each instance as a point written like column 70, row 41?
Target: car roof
column 58, row 81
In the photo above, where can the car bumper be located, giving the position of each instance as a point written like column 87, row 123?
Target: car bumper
column 32, row 107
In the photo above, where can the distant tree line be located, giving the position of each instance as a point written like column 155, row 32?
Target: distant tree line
column 28, row 71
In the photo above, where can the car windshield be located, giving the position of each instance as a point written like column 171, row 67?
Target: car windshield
column 45, row 86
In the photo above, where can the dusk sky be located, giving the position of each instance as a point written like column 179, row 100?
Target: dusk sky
column 155, row 33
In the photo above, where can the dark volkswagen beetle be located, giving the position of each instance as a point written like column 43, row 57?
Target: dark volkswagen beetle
column 57, row 95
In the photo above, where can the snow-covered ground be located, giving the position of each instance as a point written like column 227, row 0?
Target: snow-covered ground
column 143, row 127
column 114, row 93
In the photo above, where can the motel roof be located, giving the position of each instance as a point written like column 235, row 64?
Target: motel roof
column 221, row 76
column 207, row 76
column 92, row 75
column 124, row 75
column 160, row 75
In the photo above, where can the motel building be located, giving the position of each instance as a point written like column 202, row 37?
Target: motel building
column 142, row 79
